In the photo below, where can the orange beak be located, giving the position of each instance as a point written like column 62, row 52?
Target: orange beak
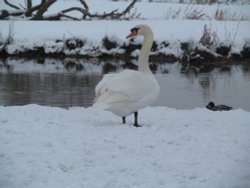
column 132, row 34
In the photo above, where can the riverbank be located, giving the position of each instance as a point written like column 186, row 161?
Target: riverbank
column 199, row 42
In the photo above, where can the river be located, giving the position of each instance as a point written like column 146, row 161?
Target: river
column 71, row 82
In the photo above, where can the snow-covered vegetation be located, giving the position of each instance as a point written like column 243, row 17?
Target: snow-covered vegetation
column 181, row 31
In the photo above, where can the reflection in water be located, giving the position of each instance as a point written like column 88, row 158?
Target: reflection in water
column 71, row 83
column 192, row 90
column 62, row 90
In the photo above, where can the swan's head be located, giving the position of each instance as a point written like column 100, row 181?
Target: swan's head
column 143, row 30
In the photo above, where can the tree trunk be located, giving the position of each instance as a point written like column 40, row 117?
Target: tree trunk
column 44, row 7
column 29, row 6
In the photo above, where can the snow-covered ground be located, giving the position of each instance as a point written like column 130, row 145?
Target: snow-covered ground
column 52, row 147
column 239, row 10
column 172, row 23
column 79, row 148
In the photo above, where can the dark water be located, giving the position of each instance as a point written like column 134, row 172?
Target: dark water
column 71, row 83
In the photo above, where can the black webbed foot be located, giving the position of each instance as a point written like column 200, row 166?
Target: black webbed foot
column 137, row 125
column 123, row 120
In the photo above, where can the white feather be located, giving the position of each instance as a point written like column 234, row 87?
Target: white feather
column 129, row 91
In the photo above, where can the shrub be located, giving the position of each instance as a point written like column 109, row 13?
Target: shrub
column 108, row 44
column 74, row 43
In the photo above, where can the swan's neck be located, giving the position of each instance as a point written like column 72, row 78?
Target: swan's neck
column 144, row 53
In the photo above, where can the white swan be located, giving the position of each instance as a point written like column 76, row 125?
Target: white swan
column 129, row 91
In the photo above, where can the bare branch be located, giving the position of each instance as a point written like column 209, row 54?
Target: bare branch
column 70, row 17
column 59, row 16
column 29, row 7
column 29, row 4
column 129, row 7
column 4, row 13
column 44, row 7
column 114, row 15
column 83, row 11
column 29, row 11
column 11, row 5
column 85, row 5
column 22, row 7
column 45, row 4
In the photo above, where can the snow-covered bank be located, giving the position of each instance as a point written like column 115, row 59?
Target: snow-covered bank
column 86, row 38
column 179, row 31
column 53, row 147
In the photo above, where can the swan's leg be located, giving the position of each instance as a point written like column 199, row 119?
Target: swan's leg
column 136, row 120
column 123, row 120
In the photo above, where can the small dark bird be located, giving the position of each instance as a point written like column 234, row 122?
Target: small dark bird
column 221, row 107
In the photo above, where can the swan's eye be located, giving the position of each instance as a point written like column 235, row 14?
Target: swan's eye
column 134, row 32
column 135, row 29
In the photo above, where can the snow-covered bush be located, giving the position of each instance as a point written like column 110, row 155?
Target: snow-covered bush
column 73, row 43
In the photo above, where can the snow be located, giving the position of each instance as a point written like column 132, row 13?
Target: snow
column 44, row 146
column 144, row 9
column 77, row 147
column 96, row 30
column 172, row 23
column 93, row 32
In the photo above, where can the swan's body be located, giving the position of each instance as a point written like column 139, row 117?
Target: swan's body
column 126, row 92
column 129, row 91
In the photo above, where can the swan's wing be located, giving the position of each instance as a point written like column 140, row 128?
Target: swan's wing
column 127, row 85
column 108, row 98
column 102, row 84
column 132, row 84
